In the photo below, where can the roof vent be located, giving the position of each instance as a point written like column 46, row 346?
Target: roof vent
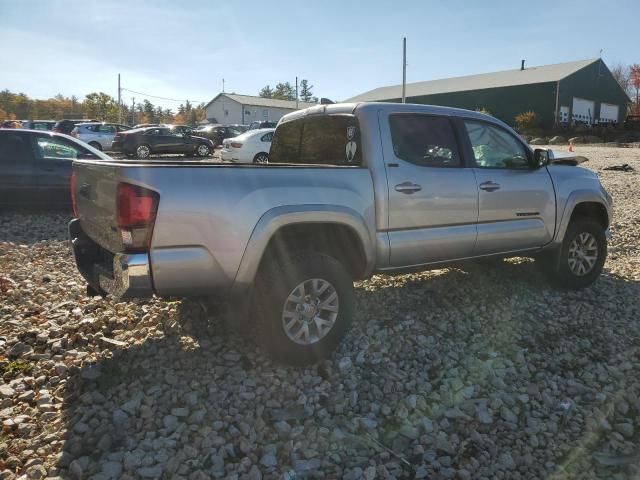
column 522, row 65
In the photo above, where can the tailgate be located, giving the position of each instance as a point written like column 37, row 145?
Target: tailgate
column 95, row 188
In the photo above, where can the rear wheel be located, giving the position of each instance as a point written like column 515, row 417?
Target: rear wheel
column 305, row 306
column 261, row 157
column 579, row 261
column 203, row 150
column 96, row 145
column 143, row 151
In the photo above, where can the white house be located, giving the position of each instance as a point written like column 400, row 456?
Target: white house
column 229, row 108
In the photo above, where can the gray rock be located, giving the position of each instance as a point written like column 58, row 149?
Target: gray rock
column 112, row 469
column 422, row 472
column 132, row 460
column 255, row 473
column 170, row 422
column 269, row 460
column 368, row 423
column 626, row 429
column 150, row 472
column 506, row 460
column 91, row 372
column 180, row 412
column 306, row 465
column 508, row 416
column 370, row 473
column 411, row 401
column 119, row 417
column 20, row 349
column 345, row 364
column 6, row 391
column 78, row 467
column 282, row 427
column 484, row 416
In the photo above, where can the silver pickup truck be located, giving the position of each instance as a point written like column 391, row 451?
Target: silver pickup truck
column 350, row 190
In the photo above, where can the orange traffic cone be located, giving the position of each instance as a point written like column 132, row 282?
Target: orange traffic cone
column 570, row 147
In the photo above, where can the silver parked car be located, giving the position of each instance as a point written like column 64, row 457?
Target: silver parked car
column 98, row 135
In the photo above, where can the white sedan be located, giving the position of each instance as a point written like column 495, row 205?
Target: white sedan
column 250, row 147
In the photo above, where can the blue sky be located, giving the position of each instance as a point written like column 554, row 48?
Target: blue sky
column 184, row 49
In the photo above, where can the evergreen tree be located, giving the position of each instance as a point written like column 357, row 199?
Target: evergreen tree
column 305, row 90
column 266, row 92
column 284, row 91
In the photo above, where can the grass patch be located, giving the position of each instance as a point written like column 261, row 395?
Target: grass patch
column 16, row 367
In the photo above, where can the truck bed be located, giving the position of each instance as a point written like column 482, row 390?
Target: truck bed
column 208, row 213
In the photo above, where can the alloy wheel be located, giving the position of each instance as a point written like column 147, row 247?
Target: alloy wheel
column 310, row 311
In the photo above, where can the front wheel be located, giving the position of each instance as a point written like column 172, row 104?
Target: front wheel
column 579, row 261
column 304, row 307
column 96, row 145
column 261, row 158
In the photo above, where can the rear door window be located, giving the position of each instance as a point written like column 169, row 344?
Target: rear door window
column 424, row 140
column 14, row 149
column 318, row 140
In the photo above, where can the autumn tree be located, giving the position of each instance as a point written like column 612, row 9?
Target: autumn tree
column 634, row 80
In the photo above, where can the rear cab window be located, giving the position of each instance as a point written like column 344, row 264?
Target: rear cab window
column 332, row 140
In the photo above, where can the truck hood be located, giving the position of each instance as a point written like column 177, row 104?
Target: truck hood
column 565, row 158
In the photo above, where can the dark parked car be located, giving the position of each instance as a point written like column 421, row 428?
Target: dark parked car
column 38, row 124
column 217, row 134
column 35, row 167
column 262, row 124
column 143, row 142
column 65, row 126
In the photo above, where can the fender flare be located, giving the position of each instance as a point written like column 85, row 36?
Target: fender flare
column 575, row 198
column 278, row 217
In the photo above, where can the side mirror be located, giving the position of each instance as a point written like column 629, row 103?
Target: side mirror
column 540, row 157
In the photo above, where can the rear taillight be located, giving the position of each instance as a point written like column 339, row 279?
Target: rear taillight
column 236, row 144
column 73, row 194
column 137, row 207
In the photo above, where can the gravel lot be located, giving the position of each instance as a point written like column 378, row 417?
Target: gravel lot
column 481, row 372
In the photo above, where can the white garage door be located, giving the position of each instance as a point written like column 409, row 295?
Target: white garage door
column 582, row 111
column 608, row 113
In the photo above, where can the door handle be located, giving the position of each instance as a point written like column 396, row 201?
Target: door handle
column 408, row 188
column 489, row 186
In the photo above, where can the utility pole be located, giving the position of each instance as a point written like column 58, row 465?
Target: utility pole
column 119, row 102
column 133, row 111
column 296, row 92
column 223, row 85
column 404, row 69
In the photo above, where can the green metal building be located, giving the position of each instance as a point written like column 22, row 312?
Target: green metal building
column 564, row 93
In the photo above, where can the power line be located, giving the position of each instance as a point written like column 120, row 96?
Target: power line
column 162, row 98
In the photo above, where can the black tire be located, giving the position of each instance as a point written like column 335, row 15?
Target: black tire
column 203, row 150
column 556, row 264
column 261, row 157
column 96, row 145
column 276, row 281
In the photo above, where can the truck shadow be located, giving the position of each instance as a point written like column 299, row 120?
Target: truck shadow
column 193, row 399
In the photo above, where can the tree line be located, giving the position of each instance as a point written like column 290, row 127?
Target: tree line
column 628, row 76
column 96, row 105
column 286, row 91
